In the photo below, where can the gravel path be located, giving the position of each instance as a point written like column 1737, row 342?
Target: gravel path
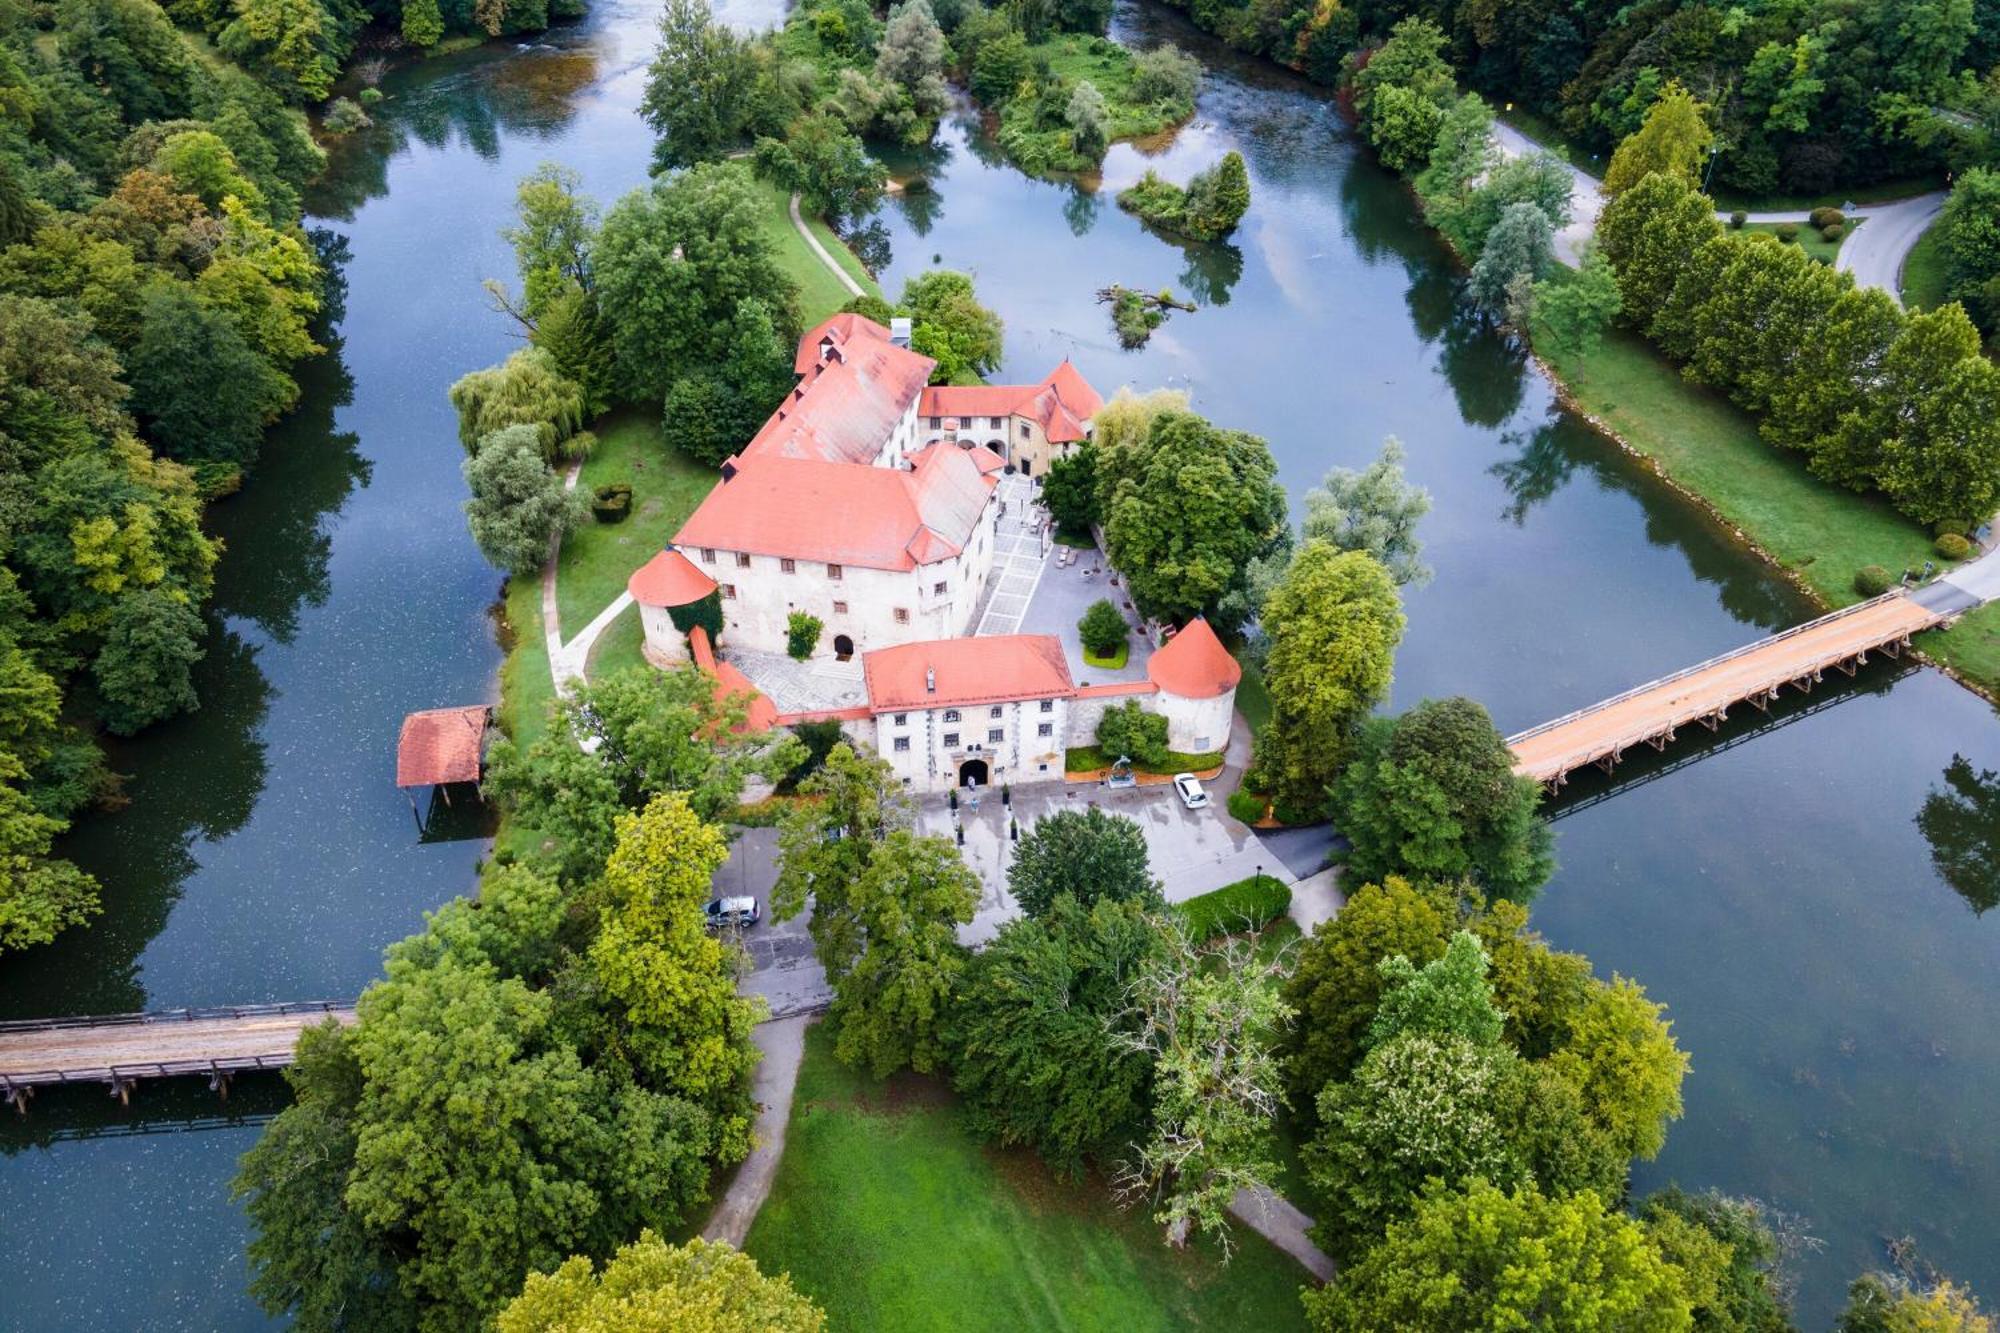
column 783, row 1042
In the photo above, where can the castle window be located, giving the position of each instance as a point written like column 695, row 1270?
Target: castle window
column 1045, row 729
column 788, row 566
column 902, row 719
column 996, row 711
column 951, row 715
column 833, row 572
column 743, row 560
column 728, row 592
column 902, row 744
column 951, row 740
column 996, row 735
column 1048, row 705
column 707, row 556
column 1024, row 430
column 902, row 615
column 939, row 589
column 840, row 608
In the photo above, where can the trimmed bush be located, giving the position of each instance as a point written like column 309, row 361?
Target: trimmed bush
column 1787, row 231
column 1739, row 220
column 369, row 96
column 612, row 503
column 1872, row 581
column 802, row 634
column 1246, row 806
column 1957, row 525
column 1134, row 733
column 1833, row 232
column 1823, row 218
column 1102, row 628
column 1248, row 904
column 1953, row 547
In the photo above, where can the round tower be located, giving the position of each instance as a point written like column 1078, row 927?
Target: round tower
column 666, row 581
column 1196, row 679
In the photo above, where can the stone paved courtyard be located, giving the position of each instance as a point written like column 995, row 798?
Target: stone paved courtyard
column 1018, row 546
column 817, row 685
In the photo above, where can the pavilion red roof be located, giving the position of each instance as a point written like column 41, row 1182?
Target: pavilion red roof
column 441, row 745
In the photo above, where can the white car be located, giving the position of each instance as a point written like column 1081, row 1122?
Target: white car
column 733, row 913
column 1189, row 788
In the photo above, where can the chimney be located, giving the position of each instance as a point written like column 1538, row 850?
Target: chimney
column 930, row 681
column 899, row 331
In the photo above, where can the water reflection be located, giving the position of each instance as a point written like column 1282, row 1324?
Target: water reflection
column 1961, row 822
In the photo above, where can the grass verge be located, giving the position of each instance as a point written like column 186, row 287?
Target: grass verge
column 820, row 293
column 619, row 648
column 892, row 1216
column 1251, row 903
column 1089, row 758
column 1808, row 239
column 1883, row 192
column 1111, row 663
column 1253, row 699
column 598, row 558
column 1702, row 442
column 1923, row 273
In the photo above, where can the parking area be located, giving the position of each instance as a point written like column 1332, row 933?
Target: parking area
column 1191, row 851
column 1063, row 593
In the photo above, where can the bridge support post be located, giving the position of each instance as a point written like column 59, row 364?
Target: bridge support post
column 18, row 1095
column 121, row 1088
column 218, row 1081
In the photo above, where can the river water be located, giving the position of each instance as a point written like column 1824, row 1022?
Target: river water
column 1769, row 884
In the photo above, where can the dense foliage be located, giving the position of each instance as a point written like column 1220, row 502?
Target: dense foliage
column 1809, row 98
column 650, row 1286
column 1085, row 855
column 1208, row 209
column 1375, row 510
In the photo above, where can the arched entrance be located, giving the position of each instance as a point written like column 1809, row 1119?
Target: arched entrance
column 843, row 647
column 972, row 773
column 997, row 446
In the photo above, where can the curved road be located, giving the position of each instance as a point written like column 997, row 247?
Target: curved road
column 1874, row 254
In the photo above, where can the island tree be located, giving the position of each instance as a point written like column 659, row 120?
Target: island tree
column 1087, row 855
column 698, row 87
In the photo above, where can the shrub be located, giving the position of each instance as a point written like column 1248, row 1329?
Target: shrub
column 369, row 96
column 612, row 503
column 1134, row 733
column 1953, row 547
column 1822, row 218
column 1739, row 219
column 1788, row 231
column 344, row 117
column 1102, row 628
column 1833, row 231
column 1246, row 806
column 802, row 634
column 1872, row 581
column 1957, row 525
column 1248, row 904
column 1294, row 813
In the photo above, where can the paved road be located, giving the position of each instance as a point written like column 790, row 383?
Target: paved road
column 783, row 1045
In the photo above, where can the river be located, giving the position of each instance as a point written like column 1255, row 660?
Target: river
column 1838, row 996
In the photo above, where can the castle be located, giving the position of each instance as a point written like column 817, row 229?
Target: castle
column 870, row 499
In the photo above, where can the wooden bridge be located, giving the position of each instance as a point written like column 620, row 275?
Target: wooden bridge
column 1704, row 693
column 121, row 1049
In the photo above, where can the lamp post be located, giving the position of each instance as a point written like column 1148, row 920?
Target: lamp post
column 1713, row 149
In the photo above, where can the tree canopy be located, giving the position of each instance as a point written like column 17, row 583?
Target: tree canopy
column 1088, row 855
column 1375, row 510
column 650, row 1286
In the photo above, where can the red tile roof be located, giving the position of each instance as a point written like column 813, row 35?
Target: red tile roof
column 952, row 673
column 668, row 579
column 1062, row 402
column 440, row 745
column 731, row 685
column 1194, row 664
column 846, row 406
column 842, row 514
column 837, row 330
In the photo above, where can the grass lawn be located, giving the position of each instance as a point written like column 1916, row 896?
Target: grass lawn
column 598, row 558
column 525, row 688
column 1809, row 239
column 1252, row 699
column 1077, row 56
column 1251, row 902
column 820, row 293
column 1923, row 273
column 1111, row 663
column 618, row 648
column 1707, row 445
column 1085, row 758
column 1971, row 647
column 1903, row 187
column 892, row 1216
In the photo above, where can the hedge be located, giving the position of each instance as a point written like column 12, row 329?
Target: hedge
column 1248, row 904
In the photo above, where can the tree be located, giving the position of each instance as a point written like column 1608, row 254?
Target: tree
column 1942, row 463
column 1035, row 1036
column 1517, row 253
column 203, row 393
column 1198, row 505
column 650, row 1286
column 1462, row 154
column 1069, row 489
column 1648, row 233
column 1539, row 179
column 698, row 86
column 1333, row 622
column 1400, row 91
column 1576, row 308
column 1433, row 795
column 524, row 390
column 674, row 263
column 297, row 45
column 1089, row 120
column 820, row 160
column 650, row 732
column 1888, row 1303
column 999, row 69
column 144, row 671
column 1374, row 510
column 891, row 1001
column 1217, row 199
column 1337, row 982
column 1969, row 239
column 1621, row 1055
column 951, row 327
column 1102, row 628
column 1730, row 1255
column 422, row 24
column 1204, row 1017
column 556, row 224
column 1166, row 75
column 1673, row 140
column 1129, row 731
column 39, row 896
column 911, row 56
column 825, row 843
column 1485, row 1259
column 1446, row 997
column 802, row 634
column 686, row 1030
column 1086, row 855
column 519, row 507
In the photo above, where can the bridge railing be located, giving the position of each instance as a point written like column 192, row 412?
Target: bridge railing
column 212, row 1013
column 1744, row 651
